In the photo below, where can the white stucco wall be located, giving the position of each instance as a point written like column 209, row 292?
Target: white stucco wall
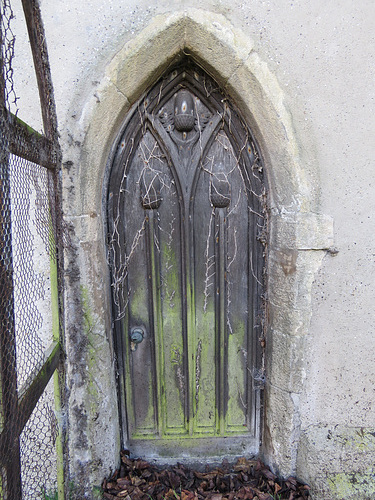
column 322, row 56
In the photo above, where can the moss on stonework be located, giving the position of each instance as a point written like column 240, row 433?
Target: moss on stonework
column 88, row 325
column 352, row 486
column 359, row 443
column 361, row 439
column 72, row 493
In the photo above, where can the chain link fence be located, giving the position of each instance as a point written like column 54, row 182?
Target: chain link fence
column 31, row 465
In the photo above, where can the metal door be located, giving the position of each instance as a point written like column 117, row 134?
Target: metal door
column 186, row 237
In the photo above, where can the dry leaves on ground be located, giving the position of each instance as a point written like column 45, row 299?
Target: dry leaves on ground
column 247, row 480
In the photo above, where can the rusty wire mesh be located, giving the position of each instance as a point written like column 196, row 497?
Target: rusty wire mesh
column 28, row 268
column 32, row 244
column 38, row 456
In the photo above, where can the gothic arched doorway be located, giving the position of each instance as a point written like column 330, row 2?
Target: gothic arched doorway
column 187, row 226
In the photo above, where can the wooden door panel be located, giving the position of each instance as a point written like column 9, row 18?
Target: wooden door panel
column 139, row 359
column 186, row 208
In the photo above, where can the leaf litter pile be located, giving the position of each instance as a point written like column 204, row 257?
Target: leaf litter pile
column 247, row 480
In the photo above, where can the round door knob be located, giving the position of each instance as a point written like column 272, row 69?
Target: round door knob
column 136, row 336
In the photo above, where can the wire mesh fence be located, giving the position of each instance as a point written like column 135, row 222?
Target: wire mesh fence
column 32, row 245
column 30, row 352
column 38, row 449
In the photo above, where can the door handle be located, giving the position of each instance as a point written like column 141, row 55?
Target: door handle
column 137, row 334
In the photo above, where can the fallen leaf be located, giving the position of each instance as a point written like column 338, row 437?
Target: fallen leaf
column 108, row 496
column 277, row 488
column 268, row 474
column 122, row 482
column 109, row 486
column 142, row 464
column 187, row 495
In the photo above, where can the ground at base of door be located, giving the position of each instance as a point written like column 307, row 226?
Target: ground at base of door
column 137, row 479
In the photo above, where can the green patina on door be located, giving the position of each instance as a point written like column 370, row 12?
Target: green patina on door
column 186, row 238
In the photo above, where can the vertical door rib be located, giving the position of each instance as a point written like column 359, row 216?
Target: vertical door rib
column 155, row 317
column 220, row 317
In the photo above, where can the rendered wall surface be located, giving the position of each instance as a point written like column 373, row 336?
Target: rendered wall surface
column 312, row 64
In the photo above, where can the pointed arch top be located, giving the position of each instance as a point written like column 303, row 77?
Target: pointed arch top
column 229, row 57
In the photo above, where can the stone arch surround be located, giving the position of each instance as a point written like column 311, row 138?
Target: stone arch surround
column 299, row 236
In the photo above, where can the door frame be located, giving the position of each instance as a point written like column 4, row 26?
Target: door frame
column 300, row 234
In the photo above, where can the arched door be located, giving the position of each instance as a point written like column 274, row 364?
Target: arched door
column 187, row 223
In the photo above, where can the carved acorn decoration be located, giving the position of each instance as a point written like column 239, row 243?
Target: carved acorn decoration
column 184, row 118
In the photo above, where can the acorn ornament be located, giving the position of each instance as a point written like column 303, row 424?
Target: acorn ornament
column 184, row 118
